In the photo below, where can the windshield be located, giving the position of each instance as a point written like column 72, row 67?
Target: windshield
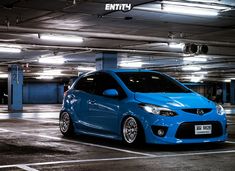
column 151, row 82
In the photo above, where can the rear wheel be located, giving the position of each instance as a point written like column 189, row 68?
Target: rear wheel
column 132, row 131
column 66, row 125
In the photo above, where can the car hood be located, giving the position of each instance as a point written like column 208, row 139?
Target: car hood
column 175, row 100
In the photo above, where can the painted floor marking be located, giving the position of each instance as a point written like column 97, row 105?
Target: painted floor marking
column 42, row 121
column 24, row 167
column 119, row 159
column 40, row 129
column 83, row 143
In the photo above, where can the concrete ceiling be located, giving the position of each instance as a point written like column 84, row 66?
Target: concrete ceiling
column 138, row 35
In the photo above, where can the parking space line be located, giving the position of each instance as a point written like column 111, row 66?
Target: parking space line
column 83, row 143
column 75, row 161
column 119, row 159
column 27, row 168
column 42, row 121
column 40, row 129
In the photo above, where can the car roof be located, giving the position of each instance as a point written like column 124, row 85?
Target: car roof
column 119, row 70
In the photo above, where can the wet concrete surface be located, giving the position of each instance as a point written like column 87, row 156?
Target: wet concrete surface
column 32, row 141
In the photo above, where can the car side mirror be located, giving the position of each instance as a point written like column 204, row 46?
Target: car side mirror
column 110, row 93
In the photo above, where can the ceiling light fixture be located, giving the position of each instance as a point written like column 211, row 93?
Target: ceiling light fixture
column 229, row 80
column 195, row 59
column 185, row 8
column 83, row 68
column 45, row 77
column 176, row 45
column 10, row 50
column 196, row 78
column 191, row 68
column 200, row 5
column 3, row 75
column 190, row 10
column 131, row 64
column 52, row 71
column 61, row 38
column 52, row 60
column 200, row 73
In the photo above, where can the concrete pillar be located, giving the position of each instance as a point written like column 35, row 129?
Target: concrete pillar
column 15, row 88
column 224, row 93
column 232, row 92
column 106, row 60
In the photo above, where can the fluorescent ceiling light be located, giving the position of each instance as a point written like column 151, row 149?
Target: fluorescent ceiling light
column 190, row 10
column 81, row 68
column 52, row 72
column 196, row 79
column 227, row 80
column 185, row 8
column 9, row 50
column 52, row 60
column 191, row 68
column 45, row 77
column 176, row 45
column 3, row 75
column 131, row 64
column 61, row 38
column 200, row 73
column 200, row 5
column 196, row 59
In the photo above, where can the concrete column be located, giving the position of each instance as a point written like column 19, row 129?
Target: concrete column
column 15, row 88
column 224, row 92
column 106, row 60
column 232, row 92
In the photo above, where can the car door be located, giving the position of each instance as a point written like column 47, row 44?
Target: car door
column 104, row 112
column 83, row 89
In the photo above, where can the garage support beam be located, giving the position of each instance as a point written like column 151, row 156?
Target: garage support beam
column 106, row 60
column 15, row 88
column 232, row 92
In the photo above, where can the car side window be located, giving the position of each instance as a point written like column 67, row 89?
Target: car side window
column 86, row 84
column 105, row 81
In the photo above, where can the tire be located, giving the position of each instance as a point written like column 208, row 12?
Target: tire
column 66, row 124
column 132, row 131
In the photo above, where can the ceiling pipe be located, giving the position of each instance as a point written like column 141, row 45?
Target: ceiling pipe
column 16, row 29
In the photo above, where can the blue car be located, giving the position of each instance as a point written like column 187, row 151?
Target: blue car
column 140, row 106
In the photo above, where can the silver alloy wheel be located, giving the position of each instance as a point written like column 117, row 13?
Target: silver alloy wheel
column 64, row 122
column 130, row 130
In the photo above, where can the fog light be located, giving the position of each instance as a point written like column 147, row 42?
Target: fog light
column 160, row 132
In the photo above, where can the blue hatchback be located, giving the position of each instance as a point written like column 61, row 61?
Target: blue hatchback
column 140, row 106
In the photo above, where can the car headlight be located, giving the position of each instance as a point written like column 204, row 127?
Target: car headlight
column 220, row 109
column 157, row 110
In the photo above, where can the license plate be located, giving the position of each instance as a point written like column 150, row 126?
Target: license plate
column 203, row 129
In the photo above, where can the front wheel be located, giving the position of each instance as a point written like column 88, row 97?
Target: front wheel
column 132, row 131
column 66, row 125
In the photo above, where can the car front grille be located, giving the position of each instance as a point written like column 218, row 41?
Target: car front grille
column 186, row 130
column 198, row 111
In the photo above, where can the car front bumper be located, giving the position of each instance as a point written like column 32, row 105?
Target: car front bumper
column 181, row 128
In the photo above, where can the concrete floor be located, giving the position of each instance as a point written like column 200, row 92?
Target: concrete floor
column 31, row 141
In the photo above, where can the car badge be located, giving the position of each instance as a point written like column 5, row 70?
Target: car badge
column 200, row 111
